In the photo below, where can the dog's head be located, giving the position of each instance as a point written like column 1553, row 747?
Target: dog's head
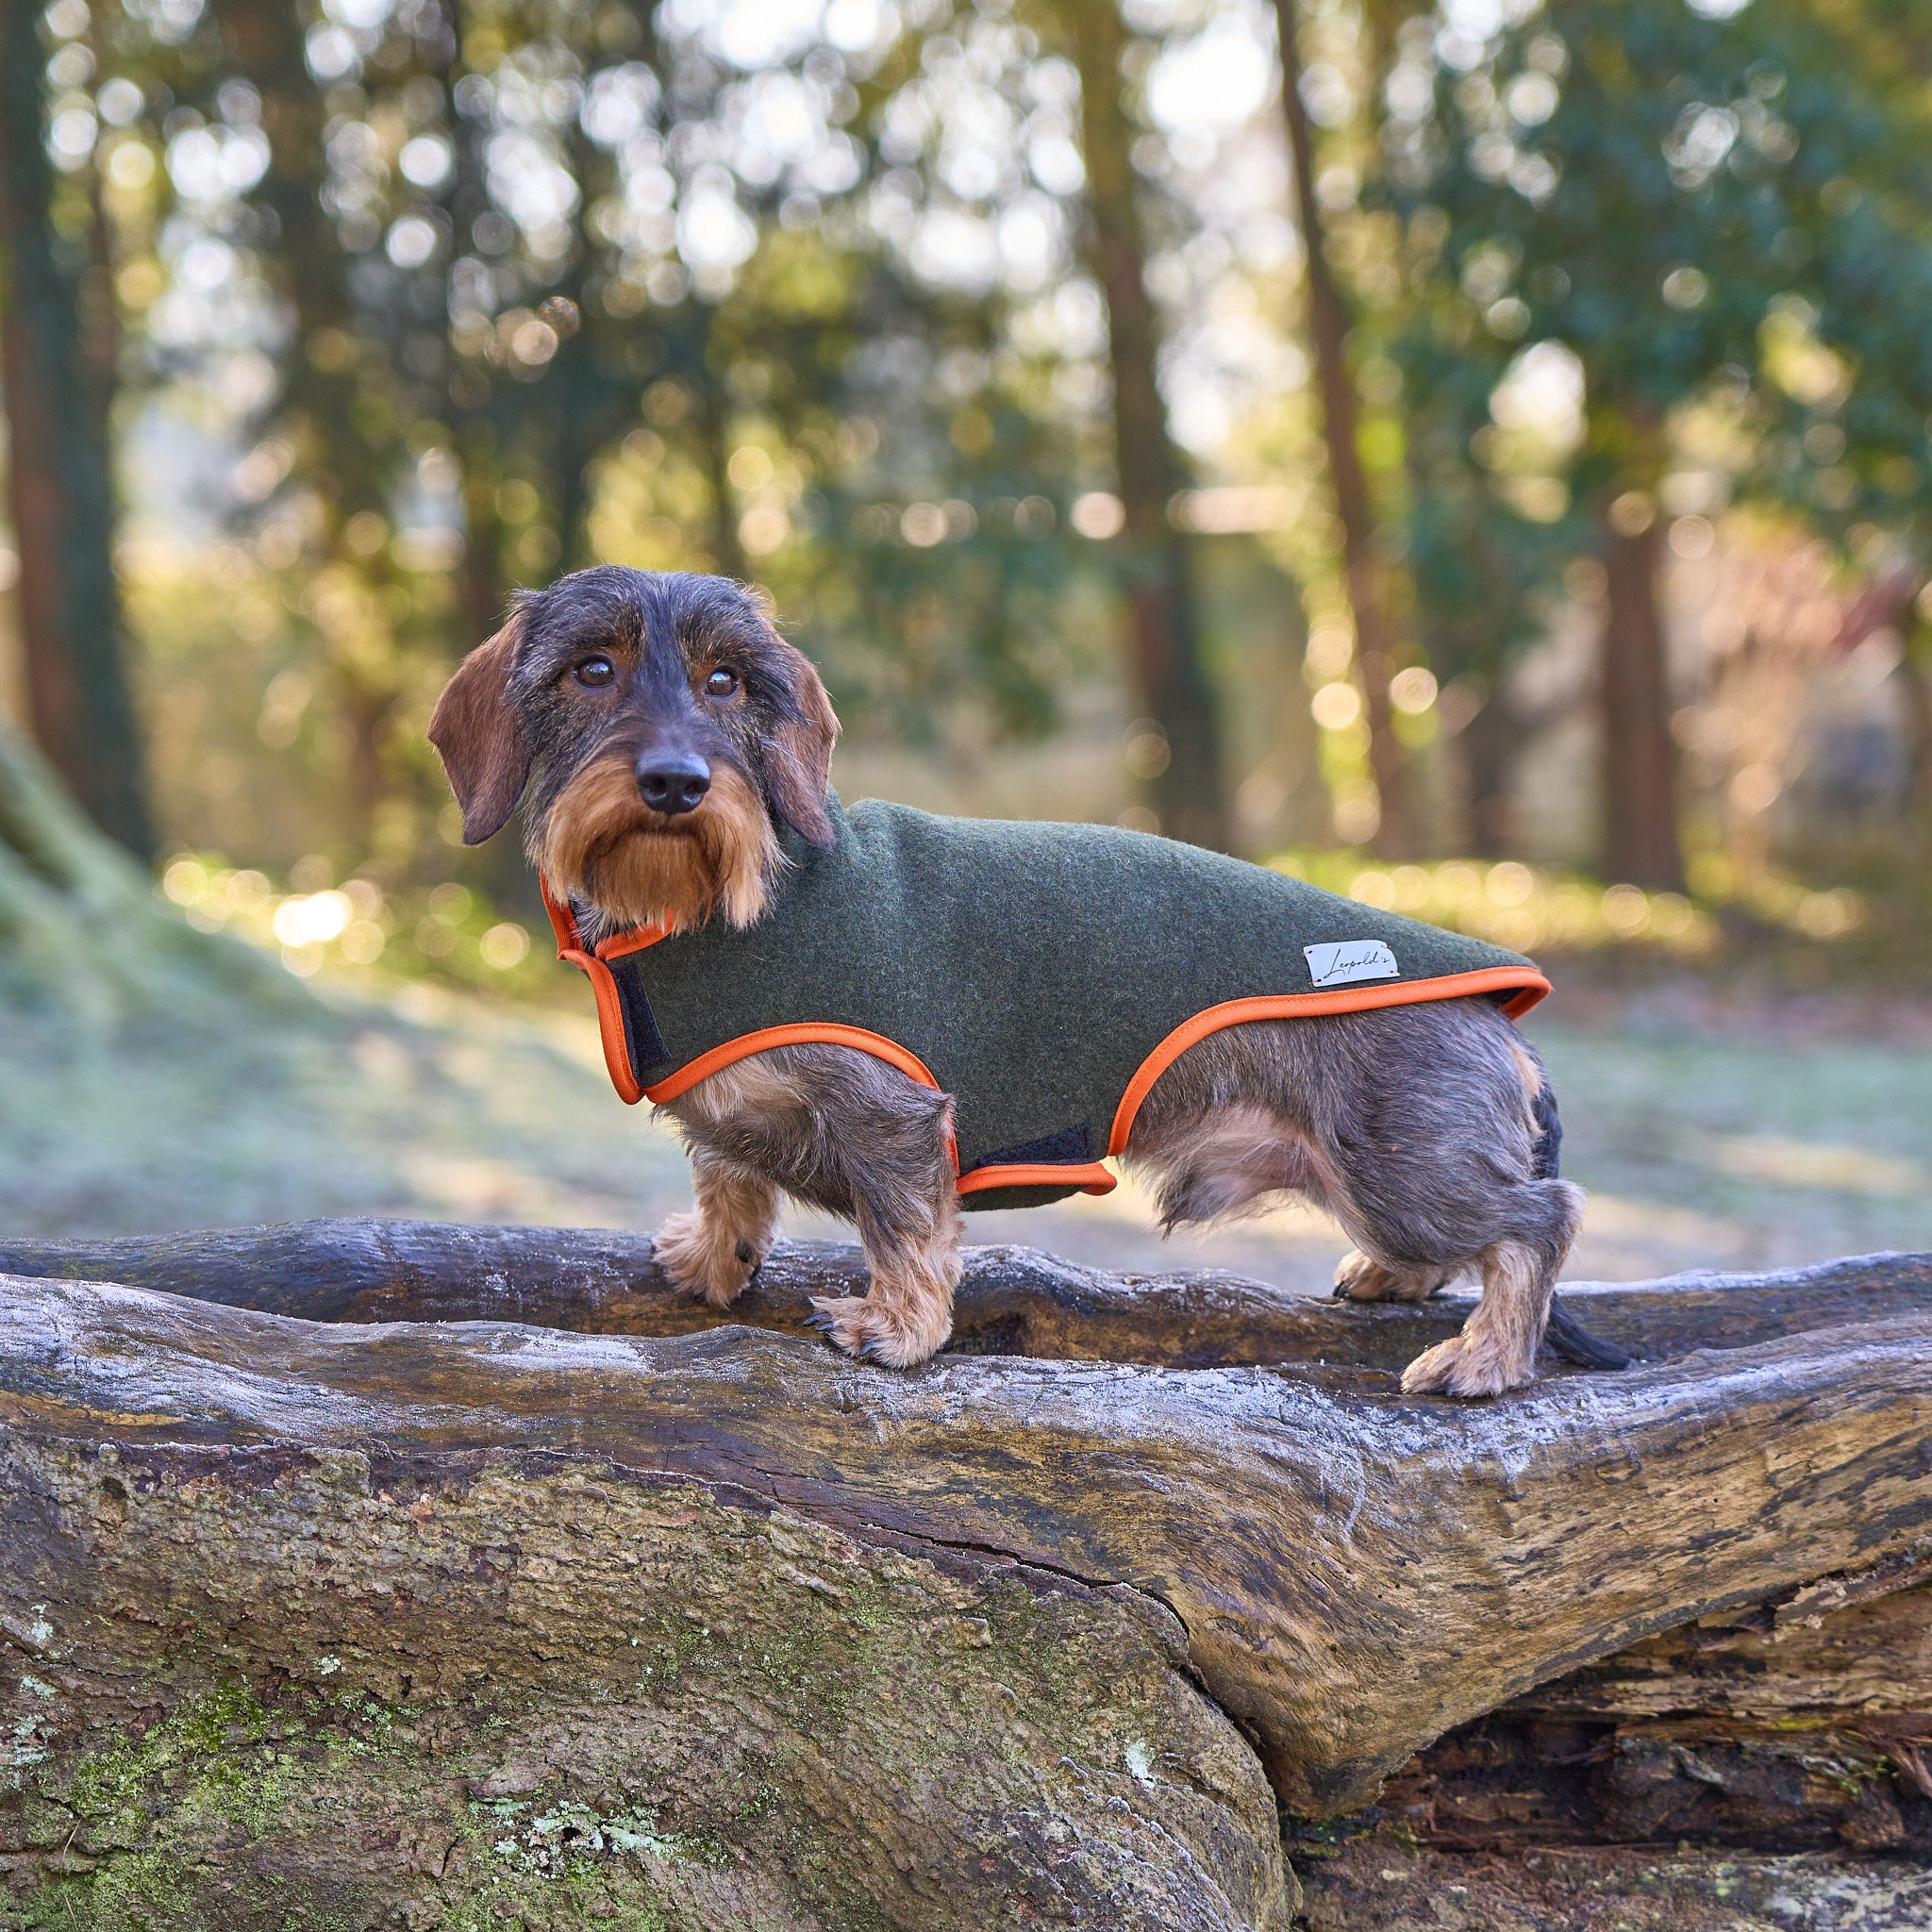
column 662, row 729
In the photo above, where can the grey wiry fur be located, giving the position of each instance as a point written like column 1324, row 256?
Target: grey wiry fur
column 1429, row 1131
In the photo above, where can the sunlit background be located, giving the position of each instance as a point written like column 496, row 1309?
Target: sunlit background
column 1517, row 516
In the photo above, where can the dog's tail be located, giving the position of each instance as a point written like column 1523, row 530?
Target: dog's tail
column 1565, row 1336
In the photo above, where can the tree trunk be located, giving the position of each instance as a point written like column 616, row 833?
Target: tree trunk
column 1914, row 675
column 714, row 433
column 1489, row 744
column 1170, row 683
column 1328, row 327
column 59, row 473
column 1640, row 757
column 264, row 40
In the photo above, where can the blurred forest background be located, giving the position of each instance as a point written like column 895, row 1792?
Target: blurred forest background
column 1477, row 456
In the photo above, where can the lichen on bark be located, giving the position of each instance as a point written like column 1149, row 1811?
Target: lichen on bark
column 279, row 1688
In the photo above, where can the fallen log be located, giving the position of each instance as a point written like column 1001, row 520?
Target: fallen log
column 1800, row 1724
column 719, row 1626
column 1773, row 1762
column 1011, row 1301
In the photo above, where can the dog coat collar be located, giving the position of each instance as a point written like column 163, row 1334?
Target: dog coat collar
column 1045, row 975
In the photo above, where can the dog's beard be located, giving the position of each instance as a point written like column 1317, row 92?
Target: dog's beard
column 603, row 846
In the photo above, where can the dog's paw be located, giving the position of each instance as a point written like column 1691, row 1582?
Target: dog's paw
column 875, row 1332
column 1465, row 1366
column 1360, row 1279
column 713, row 1271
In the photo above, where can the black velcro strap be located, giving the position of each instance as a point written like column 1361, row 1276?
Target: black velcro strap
column 649, row 1055
column 1070, row 1147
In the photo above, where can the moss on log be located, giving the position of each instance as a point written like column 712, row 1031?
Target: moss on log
column 82, row 928
column 480, row 1622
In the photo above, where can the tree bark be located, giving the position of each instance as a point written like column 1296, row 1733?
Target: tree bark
column 1328, row 327
column 1800, row 1724
column 1011, row 1301
column 60, row 474
column 264, row 40
column 1640, row 755
column 1171, row 682
column 1350, row 1573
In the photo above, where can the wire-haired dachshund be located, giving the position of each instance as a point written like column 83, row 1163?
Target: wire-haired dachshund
column 673, row 752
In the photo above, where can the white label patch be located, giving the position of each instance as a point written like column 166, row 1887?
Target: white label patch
column 1345, row 962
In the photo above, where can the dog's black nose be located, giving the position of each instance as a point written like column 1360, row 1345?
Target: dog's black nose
column 674, row 782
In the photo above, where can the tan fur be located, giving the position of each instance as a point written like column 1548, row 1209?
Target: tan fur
column 761, row 1084
column 1497, row 1347
column 908, row 1313
column 715, row 1249
column 1229, row 1164
column 604, row 844
column 1359, row 1278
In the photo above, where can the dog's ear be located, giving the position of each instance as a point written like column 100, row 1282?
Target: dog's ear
column 798, row 753
column 476, row 735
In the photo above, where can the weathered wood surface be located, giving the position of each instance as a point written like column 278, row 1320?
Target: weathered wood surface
column 1768, row 1766
column 1013, row 1300
column 1805, row 1724
column 1388, row 1883
column 719, row 1626
column 256, row 1685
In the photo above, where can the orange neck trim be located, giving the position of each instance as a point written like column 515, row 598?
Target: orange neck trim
column 563, row 922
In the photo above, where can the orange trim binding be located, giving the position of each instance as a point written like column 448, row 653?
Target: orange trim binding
column 800, row 1033
column 610, row 1022
column 1091, row 1179
column 635, row 941
column 611, row 1034
column 563, row 922
column 1529, row 986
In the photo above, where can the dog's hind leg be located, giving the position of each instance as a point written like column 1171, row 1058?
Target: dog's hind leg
column 1437, row 1122
column 1497, row 1347
column 714, row 1250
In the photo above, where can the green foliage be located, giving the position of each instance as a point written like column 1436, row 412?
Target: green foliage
column 1725, row 212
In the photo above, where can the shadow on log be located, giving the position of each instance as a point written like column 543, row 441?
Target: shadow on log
column 728, row 1630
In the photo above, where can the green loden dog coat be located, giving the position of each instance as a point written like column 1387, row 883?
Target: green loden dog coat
column 1045, row 975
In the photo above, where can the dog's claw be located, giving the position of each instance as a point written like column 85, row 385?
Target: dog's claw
column 821, row 1320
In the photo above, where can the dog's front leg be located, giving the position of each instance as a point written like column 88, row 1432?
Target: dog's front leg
column 908, row 1210
column 713, row 1250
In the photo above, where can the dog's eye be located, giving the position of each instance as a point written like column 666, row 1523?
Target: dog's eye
column 721, row 684
column 595, row 671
